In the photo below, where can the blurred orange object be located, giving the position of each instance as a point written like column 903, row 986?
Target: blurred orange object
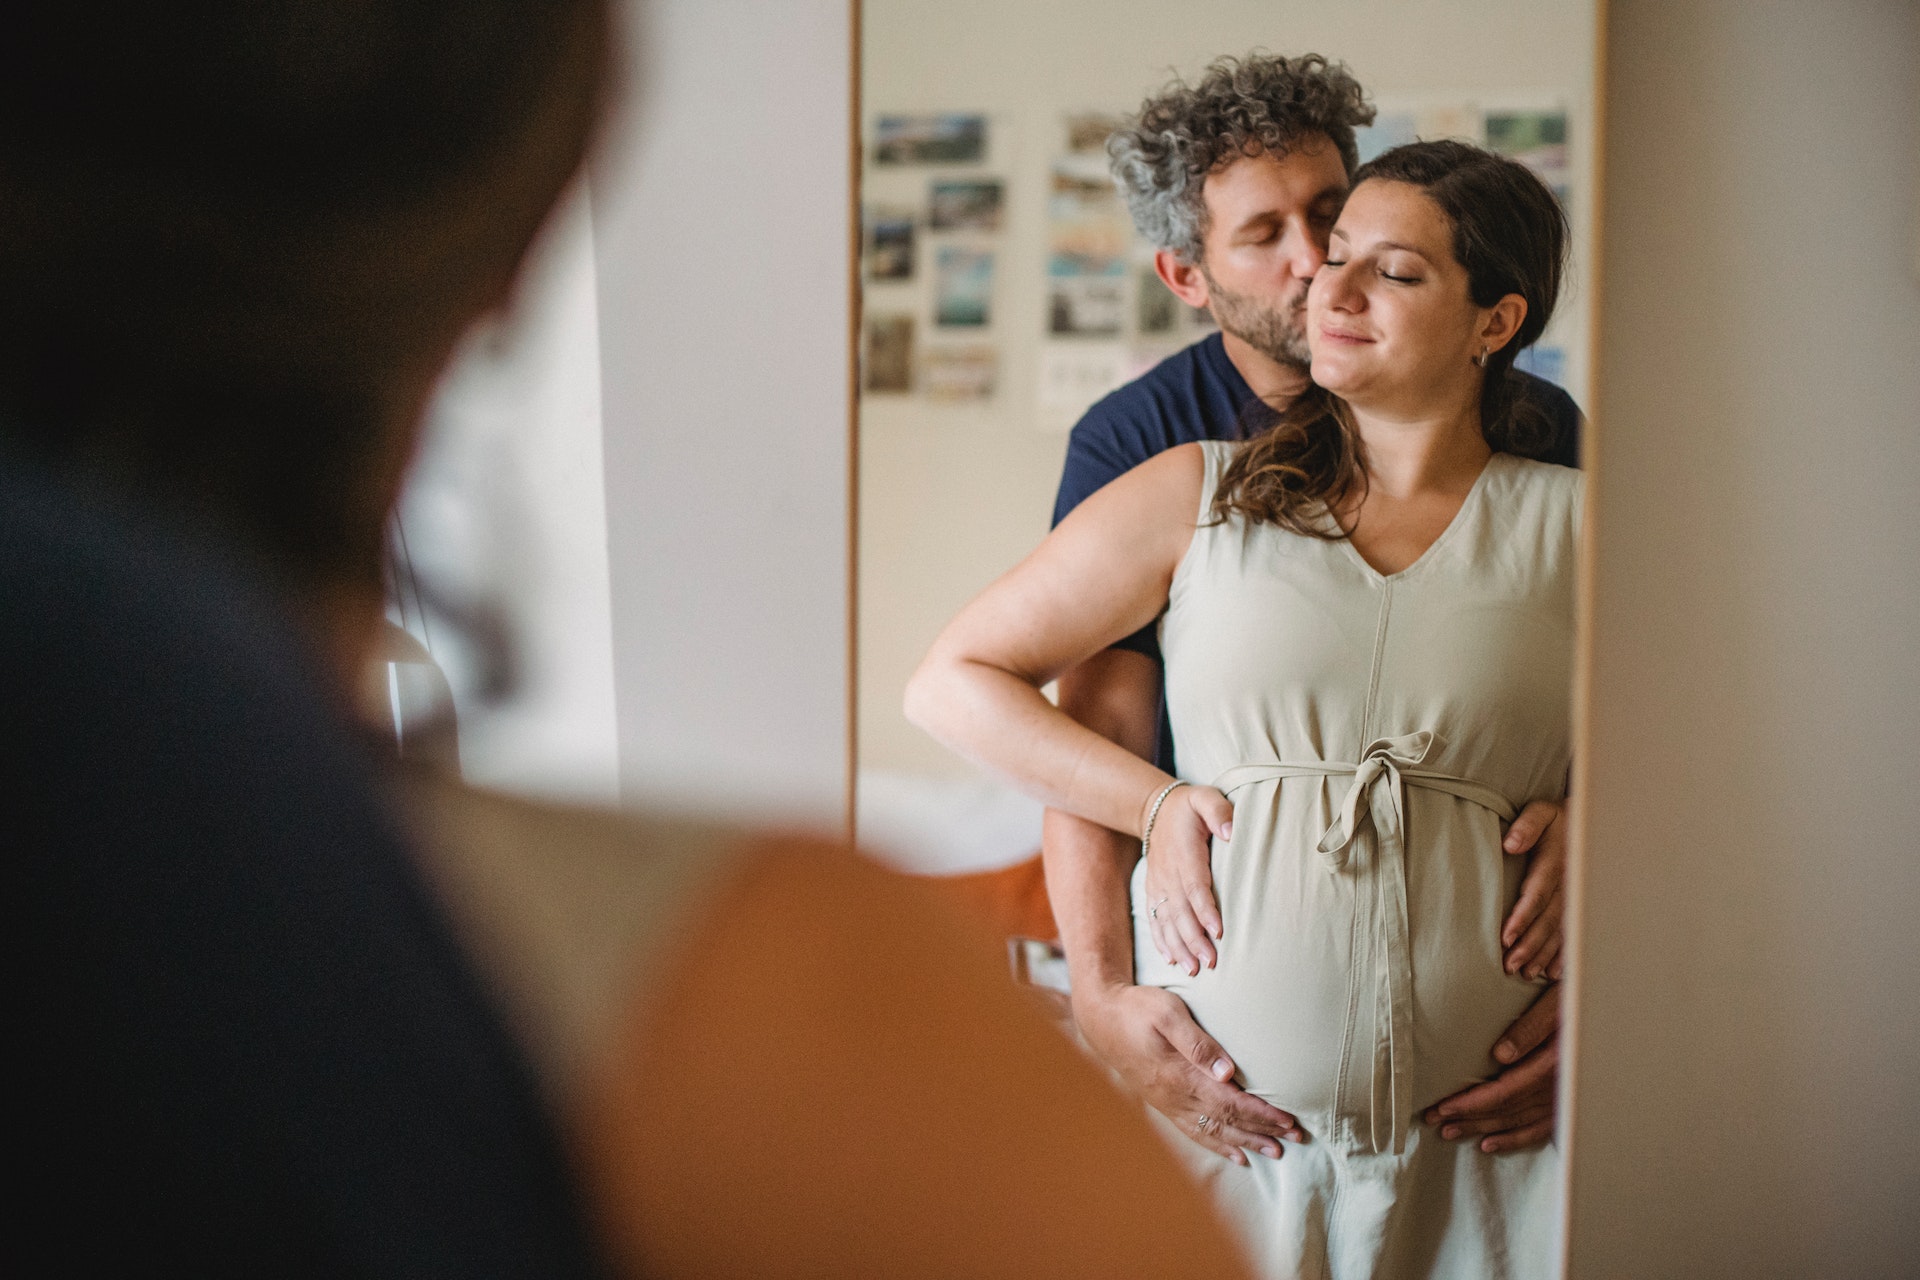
column 1012, row 900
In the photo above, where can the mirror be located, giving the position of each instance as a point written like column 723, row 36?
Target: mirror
column 1005, row 290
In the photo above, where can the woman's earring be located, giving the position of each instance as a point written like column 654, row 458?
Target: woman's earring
column 1481, row 359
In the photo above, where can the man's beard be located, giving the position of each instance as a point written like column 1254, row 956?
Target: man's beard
column 1279, row 333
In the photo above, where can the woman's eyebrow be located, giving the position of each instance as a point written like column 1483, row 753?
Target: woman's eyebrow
column 1382, row 244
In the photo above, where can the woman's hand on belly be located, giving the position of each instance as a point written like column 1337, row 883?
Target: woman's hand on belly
column 1532, row 932
column 1149, row 1037
column 1183, row 915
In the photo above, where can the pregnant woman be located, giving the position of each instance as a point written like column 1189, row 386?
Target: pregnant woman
column 1367, row 618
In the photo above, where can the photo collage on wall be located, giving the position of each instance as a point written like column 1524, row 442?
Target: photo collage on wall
column 1536, row 136
column 933, row 254
column 1109, row 317
column 916, row 330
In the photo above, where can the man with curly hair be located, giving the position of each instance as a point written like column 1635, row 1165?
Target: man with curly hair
column 1237, row 181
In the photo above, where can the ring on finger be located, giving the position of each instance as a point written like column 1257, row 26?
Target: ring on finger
column 1204, row 1123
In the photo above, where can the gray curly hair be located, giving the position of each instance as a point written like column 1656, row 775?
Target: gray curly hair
column 1262, row 103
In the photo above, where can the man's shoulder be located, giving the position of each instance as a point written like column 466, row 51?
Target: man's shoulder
column 1182, row 394
column 1192, row 395
column 1562, row 416
column 1550, row 396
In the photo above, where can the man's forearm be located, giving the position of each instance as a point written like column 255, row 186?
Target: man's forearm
column 1088, row 868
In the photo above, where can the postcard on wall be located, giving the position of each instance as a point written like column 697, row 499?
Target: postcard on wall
column 888, row 366
column 1080, row 187
column 1088, row 232
column 959, row 375
column 1537, row 139
column 965, row 205
column 1156, row 310
column 1089, row 247
column 963, row 286
column 945, row 138
column 1088, row 131
column 889, row 244
column 1086, row 306
column 1074, row 375
column 1389, row 129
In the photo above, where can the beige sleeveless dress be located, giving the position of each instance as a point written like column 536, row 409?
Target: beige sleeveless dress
column 1375, row 734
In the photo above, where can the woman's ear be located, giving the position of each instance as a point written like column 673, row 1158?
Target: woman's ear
column 1504, row 319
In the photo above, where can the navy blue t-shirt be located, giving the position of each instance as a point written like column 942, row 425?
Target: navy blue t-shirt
column 247, row 1042
column 1197, row 394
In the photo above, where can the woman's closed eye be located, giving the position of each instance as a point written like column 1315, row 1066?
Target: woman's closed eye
column 1386, row 275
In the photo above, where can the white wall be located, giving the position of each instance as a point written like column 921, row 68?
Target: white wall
column 723, row 226
column 505, row 508
column 1747, row 1094
column 952, row 496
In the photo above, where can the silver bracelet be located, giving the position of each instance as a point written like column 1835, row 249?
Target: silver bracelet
column 1153, row 812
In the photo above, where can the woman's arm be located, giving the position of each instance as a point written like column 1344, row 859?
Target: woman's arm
column 1101, row 575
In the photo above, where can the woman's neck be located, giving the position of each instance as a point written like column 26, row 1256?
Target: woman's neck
column 1434, row 450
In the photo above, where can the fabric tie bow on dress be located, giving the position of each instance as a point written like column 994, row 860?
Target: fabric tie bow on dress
column 1377, row 803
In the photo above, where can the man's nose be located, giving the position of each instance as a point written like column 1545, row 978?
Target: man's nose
column 1305, row 252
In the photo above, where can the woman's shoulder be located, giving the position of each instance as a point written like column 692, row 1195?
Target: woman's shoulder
column 1171, row 484
column 1541, row 480
column 1188, row 474
column 1184, row 465
column 1540, row 495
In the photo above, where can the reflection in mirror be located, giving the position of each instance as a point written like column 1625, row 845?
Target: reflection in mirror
column 1367, row 659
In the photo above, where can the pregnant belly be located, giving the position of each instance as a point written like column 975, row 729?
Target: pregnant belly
column 1302, row 968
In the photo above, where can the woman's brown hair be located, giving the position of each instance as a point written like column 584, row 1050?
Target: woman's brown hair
column 1510, row 234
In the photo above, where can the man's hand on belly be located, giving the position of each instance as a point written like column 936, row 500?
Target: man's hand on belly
column 1149, row 1037
column 1515, row 1108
